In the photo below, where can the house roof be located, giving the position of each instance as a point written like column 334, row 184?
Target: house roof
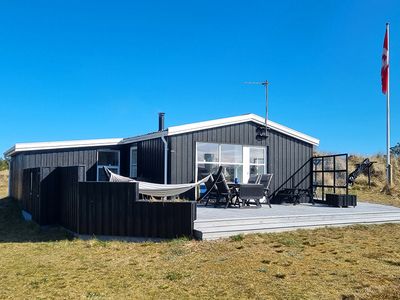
column 22, row 147
column 173, row 130
column 242, row 119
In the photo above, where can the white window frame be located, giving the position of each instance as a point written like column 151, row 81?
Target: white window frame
column 130, row 161
column 245, row 158
column 101, row 166
column 246, row 167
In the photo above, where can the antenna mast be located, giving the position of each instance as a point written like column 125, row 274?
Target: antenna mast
column 264, row 83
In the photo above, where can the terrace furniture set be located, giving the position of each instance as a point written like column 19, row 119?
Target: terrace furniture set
column 235, row 194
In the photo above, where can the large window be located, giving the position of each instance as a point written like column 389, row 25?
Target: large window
column 109, row 159
column 133, row 166
column 239, row 161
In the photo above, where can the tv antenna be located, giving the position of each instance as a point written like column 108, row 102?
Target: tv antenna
column 264, row 83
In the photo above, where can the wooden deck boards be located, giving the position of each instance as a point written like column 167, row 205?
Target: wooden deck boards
column 213, row 223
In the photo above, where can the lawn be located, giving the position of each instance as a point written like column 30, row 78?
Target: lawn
column 363, row 261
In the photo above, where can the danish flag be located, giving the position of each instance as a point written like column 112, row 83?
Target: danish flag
column 385, row 65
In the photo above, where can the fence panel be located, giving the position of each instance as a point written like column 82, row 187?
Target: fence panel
column 68, row 193
column 113, row 208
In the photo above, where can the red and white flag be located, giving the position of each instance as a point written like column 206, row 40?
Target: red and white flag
column 385, row 64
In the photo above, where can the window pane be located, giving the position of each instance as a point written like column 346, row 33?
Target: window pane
column 205, row 169
column 257, row 156
column 103, row 175
column 133, row 171
column 134, row 155
column 108, row 158
column 231, row 153
column 207, row 152
column 256, row 170
column 328, row 163
column 232, row 172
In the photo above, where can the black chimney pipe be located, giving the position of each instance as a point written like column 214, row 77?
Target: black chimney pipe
column 161, row 121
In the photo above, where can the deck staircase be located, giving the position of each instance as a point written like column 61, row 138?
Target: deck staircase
column 210, row 229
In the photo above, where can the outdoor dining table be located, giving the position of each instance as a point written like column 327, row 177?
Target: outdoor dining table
column 235, row 187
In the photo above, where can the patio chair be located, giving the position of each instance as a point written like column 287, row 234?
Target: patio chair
column 224, row 192
column 254, row 179
column 265, row 180
column 212, row 190
column 251, row 191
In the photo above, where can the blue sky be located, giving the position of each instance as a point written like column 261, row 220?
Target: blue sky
column 100, row 69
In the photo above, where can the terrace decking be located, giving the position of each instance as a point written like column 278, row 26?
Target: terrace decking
column 214, row 223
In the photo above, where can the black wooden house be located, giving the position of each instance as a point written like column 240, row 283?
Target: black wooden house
column 179, row 154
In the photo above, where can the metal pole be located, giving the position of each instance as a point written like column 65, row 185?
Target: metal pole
column 266, row 106
column 388, row 166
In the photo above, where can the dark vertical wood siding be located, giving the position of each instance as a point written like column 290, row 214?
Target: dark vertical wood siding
column 289, row 161
column 47, row 192
column 151, row 160
column 54, row 158
column 68, row 196
column 285, row 154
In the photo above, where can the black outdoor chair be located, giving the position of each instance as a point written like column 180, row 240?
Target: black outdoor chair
column 250, row 191
column 254, row 179
column 265, row 180
column 226, row 193
column 212, row 190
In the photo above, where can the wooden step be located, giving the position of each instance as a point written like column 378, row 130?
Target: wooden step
column 213, row 229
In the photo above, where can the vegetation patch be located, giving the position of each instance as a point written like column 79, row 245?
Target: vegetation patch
column 173, row 276
column 376, row 193
column 327, row 263
column 357, row 262
column 3, row 183
column 237, row 238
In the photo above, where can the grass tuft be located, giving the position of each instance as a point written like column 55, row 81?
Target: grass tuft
column 237, row 238
column 173, row 276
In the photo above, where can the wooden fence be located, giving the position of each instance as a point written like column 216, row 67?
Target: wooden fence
column 62, row 196
column 68, row 195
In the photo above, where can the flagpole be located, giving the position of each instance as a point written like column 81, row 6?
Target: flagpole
column 388, row 165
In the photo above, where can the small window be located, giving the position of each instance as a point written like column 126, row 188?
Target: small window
column 109, row 159
column 133, row 166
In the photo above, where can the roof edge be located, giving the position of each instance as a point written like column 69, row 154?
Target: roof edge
column 21, row 147
column 149, row 136
column 175, row 130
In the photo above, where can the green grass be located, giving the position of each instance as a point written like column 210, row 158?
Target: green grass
column 360, row 261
